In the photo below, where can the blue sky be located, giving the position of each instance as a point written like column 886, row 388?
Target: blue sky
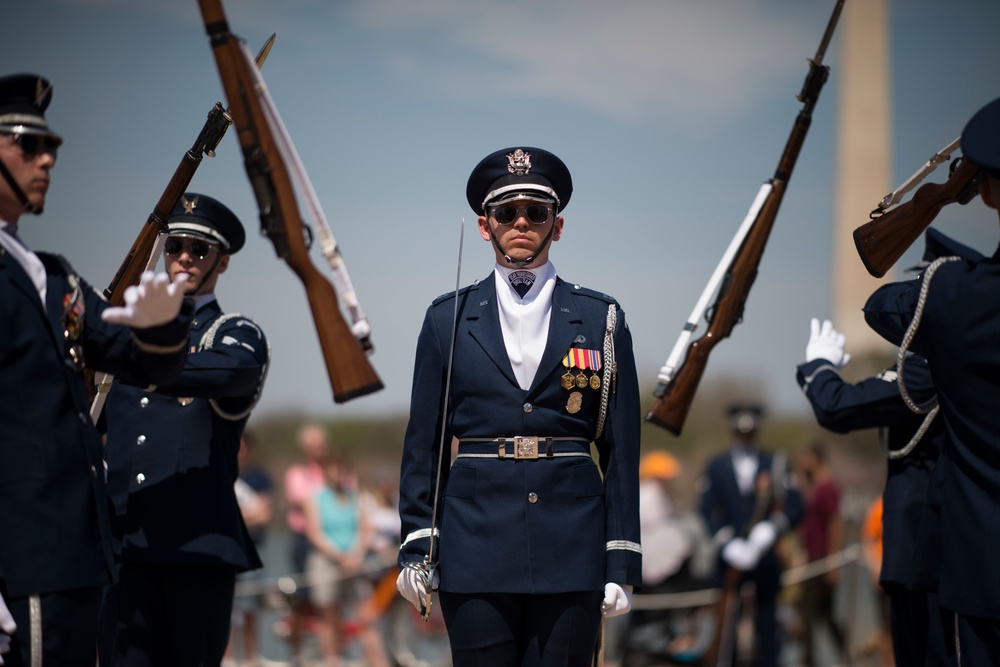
column 669, row 114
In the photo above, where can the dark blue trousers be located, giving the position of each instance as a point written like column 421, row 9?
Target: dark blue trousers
column 67, row 621
column 978, row 641
column 920, row 628
column 167, row 616
column 521, row 630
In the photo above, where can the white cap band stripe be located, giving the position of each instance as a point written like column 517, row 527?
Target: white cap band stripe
column 181, row 227
column 520, row 187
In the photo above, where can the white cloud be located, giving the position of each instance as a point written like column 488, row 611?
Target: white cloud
column 694, row 62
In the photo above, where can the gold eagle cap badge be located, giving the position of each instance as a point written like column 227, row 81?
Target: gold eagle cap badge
column 189, row 204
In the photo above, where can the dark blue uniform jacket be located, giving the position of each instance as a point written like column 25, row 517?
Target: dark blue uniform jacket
column 959, row 334
column 578, row 531
column 172, row 457
column 723, row 505
column 873, row 403
column 54, row 532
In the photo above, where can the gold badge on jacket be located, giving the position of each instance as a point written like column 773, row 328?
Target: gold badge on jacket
column 583, row 360
column 574, row 402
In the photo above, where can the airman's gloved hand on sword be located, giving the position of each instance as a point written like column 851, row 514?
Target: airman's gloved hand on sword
column 412, row 585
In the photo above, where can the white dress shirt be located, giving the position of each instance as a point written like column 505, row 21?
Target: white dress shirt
column 28, row 260
column 525, row 322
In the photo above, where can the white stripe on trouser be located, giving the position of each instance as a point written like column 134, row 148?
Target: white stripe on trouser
column 958, row 644
column 35, row 629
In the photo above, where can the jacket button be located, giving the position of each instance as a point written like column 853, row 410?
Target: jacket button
column 140, row 440
column 93, row 471
column 140, row 478
column 144, row 401
column 532, row 497
column 528, row 407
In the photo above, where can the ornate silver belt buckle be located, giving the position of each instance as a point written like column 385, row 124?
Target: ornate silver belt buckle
column 525, row 448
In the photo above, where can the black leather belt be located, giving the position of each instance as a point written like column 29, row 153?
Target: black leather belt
column 523, row 447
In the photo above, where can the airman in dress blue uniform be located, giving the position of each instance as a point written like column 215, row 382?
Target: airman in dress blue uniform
column 172, row 463
column 535, row 539
column 747, row 501
column 910, row 518
column 55, row 541
column 954, row 313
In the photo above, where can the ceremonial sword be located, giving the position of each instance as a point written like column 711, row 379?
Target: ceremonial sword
column 429, row 566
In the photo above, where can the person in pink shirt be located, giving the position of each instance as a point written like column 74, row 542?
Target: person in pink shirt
column 303, row 481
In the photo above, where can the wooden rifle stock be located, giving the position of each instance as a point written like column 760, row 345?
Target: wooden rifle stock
column 350, row 373
column 674, row 398
column 883, row 240
column 672, row 404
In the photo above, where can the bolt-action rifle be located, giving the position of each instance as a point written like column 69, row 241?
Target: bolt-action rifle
column 148, row 245
column 271, row 162
column 735, row 274
column 894, row 227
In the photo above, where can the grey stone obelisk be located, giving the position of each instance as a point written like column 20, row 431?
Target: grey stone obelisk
column 863, row 168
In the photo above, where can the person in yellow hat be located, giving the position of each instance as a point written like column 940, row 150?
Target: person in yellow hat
column 678, row 555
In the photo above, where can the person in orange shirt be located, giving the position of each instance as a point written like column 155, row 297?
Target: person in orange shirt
column 871, row 544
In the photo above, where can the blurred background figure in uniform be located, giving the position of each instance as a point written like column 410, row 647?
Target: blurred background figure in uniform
column 678, row 556
column 340, row 533
column 255, row 495
column 747, row 502
column 172, row 456
column 55, row 541
column 302, row 481
column 821, row 533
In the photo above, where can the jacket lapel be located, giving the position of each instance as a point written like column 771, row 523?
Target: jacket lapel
column 483, row 322
column 22, row 282
column 564, row 328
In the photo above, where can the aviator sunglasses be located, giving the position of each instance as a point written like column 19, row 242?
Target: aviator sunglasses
column 36, row 144
column 506, row 214
column 197, row 249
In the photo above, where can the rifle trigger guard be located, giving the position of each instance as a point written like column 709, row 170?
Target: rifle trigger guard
column 307, row 232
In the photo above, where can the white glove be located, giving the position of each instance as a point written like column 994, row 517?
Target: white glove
column 154, row 301
column 740, row 554
column 412, row 585
column 825, row 342
column 617, row 600
column 7, row 627
column 762, row 536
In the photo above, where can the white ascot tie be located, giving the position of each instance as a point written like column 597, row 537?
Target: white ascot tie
column 745, row 467
column 524, row 320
